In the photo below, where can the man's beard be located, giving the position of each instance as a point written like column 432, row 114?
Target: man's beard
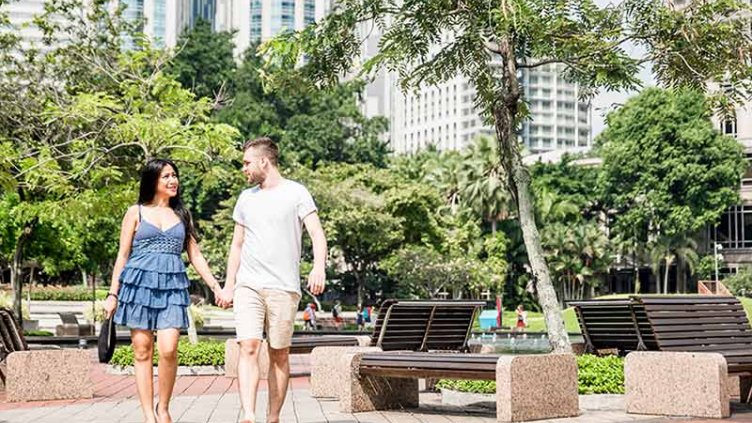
column 255, row 178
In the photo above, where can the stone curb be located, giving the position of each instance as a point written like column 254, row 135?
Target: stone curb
column 112, row 369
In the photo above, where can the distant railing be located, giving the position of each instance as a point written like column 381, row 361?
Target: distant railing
column 712, row 288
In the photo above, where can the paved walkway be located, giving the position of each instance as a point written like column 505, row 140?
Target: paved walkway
column 200, row 399
column 300, row 407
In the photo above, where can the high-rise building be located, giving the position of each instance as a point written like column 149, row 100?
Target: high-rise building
column 446, row 117
column 163, row 20
column 558, row 120
column 260, row 20
column 21, row 15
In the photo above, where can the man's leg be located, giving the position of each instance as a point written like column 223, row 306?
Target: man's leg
column 279, row 377
column 281, row 307
column 249, row 325
column 248, row 376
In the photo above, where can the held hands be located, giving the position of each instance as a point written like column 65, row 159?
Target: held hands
column 222, row 296
column 316, row 281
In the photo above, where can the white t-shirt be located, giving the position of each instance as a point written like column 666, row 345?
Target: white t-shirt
column 273, row 222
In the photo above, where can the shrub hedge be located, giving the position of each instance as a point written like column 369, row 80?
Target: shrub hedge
column 205, row 353
column 65, row 293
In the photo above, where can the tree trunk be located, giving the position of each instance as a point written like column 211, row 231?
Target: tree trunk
column 16, row 279
column 494, row 225
column 665, row 279
column 359, row 282
column 505, row 113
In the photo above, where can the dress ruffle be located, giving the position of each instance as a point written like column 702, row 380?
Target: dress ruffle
column 136, row 316
column 154, row 280
column 153, row 293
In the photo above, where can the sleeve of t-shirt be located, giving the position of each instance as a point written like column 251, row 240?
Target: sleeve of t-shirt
column 305, row 204
column 237, row 213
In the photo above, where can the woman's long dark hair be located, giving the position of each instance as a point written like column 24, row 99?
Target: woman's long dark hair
column 149, row 180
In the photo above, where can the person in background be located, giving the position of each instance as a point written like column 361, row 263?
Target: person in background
column 309, row 317
column 359, row 318
column 337, row 315
column 521, row 318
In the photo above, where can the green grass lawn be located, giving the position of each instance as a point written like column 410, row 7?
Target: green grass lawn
column 535, row 322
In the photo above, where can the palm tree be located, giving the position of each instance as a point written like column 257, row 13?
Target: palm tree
column 481, row 181
column 551, row 207
column 630, row 250
column 666, row 250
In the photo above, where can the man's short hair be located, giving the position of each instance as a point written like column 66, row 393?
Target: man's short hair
column 266, row 146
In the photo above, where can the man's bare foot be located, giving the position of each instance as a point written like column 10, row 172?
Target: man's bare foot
column 163, row 415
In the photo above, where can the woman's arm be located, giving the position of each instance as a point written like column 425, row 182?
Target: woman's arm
column 127, row 229
column 202, row 267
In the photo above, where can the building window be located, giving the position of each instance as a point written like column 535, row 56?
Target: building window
column 735, row 228
column 309, row 12
column 728, row 126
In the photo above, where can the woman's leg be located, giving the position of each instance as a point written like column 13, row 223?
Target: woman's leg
column 167, row 344
column 143, row 350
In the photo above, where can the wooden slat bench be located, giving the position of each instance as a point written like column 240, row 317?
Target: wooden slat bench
column 614, row 324
column 704, row 324
column 420, row 326
column 306, row 344
column 528, row 387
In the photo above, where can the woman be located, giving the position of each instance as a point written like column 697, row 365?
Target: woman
column 154, row 291
column 521, row 318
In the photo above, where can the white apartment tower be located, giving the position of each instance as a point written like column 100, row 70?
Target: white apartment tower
column 445, row 115
column 260, row 20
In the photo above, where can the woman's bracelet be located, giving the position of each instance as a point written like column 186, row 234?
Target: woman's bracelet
column 111, row 294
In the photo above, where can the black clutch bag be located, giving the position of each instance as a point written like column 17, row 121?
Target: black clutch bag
column 106, row 342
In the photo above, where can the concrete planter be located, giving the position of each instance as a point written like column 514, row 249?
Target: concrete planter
column 29, row 325
column 468, row 399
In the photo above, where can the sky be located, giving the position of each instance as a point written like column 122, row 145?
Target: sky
column 605, row 101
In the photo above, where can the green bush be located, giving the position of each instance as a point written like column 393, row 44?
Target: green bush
column 474, row 386
column 740, row 284
column 205, row 353
column 600, row 375
column 37, row 333
column 65, row 293
column 595, row 375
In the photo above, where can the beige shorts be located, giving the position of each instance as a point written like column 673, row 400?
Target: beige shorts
column 265, row 310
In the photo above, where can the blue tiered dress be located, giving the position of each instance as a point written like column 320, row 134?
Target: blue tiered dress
column 153, row 283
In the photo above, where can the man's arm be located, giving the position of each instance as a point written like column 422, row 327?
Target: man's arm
column 233, row 260
column 317, row 278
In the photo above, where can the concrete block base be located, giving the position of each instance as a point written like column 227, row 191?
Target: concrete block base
column 677, row 384
column 370, row 393
column 533, row 387
column 328, row 372
column 48, row 375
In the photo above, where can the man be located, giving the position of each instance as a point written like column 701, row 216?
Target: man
column 263, row 270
